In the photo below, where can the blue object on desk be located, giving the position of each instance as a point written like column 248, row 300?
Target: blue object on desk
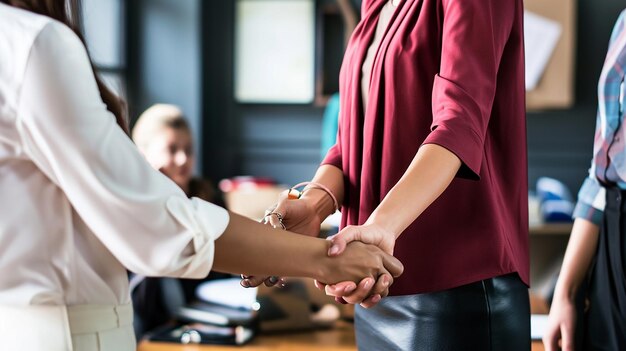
column 552, row 189
column 556, row 202
column 557, row 210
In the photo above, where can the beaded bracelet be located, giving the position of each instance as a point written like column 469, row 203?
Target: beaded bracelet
column 295, row 194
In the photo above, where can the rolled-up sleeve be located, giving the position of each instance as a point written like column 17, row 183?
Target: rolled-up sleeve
column 333, row 156
column 475, row 33
column 140, row 215
column 591, row 200
column 592, row 195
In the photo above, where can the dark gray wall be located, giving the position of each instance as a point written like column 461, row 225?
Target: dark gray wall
column 560, row 142
column 278, row 141
column 165, row 59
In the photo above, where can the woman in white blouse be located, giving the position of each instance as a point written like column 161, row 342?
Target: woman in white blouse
column 79, row 205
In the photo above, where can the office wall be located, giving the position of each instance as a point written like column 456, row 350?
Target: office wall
column 165, row 59
column 560, row 142
column 282, row 141
column 278, row 141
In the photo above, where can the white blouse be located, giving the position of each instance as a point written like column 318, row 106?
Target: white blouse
column 78, row 204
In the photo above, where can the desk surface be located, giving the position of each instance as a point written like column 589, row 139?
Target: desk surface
column 340, row 338
column 551, row 228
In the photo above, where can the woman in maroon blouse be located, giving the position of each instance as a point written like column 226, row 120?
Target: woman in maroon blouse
column 430, row 165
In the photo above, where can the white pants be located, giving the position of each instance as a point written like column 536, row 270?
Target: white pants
column 67, row 328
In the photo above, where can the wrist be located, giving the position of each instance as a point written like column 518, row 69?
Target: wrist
column 387, row 225
column 318, row 196
column 566, row 292
column 319, row 202
column 321, row 265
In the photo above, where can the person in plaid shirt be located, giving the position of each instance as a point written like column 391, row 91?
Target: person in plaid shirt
column 599, row 234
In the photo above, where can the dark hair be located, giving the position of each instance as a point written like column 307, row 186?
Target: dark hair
column 68, row 13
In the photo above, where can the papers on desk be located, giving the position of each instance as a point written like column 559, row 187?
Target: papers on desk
column 227, row 292
column 198, row 333
column 214, row 314
column 224, row 315
column 540, row 36
column 538, row 325
column 222, row 302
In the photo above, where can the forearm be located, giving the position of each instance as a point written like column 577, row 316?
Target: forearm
column 332, row 178
column 578, row 256
column 251, row 248
column 428, row 175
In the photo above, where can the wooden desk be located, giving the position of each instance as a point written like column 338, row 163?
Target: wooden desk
column 339, row 339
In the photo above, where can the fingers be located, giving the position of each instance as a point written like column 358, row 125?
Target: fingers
column 340, row 240
column 393, row 265
column 380, row 290
column 362, row 291
column 319, row 285
column 558, row 331
column 275, row 219
column 382, row 285
column 567, row 338
column 271, row 281
column 344, row 292
column 275, row 281
column 340, row 289
column 550, row 341
column 275, row 216
column 251, row 281
column 371, row 301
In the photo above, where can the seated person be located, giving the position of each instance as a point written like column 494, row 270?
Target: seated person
column 163, row 136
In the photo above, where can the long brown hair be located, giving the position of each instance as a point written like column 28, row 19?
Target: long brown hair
column 68, row 13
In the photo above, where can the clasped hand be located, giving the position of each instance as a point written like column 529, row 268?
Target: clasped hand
column 369, row 291
column 300, row 217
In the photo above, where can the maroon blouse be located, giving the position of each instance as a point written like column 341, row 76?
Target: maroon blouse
column 447, row 72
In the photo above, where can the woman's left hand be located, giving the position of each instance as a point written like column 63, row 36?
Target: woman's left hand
column 367, row 233
column 368, row 293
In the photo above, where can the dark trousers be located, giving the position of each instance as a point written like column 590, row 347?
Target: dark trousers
column 605, row 320
column 488, row 315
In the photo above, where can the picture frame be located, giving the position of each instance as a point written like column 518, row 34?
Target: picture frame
column 274, row 51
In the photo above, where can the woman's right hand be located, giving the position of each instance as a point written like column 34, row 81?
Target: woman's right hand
column 298, row 216
column 561, row 325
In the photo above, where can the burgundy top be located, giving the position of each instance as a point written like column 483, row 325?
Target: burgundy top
column 447, row 72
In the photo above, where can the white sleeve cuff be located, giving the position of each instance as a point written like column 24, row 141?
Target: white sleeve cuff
column 207, row 222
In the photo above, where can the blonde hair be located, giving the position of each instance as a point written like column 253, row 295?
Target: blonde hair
column 156, row 118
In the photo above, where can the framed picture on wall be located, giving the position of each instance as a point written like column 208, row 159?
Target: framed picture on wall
column 275, row 51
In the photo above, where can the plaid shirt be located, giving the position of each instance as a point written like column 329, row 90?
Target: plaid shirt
column 609, row 154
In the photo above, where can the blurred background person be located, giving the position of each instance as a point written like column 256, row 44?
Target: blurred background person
column 163, row 136
column 596, row 253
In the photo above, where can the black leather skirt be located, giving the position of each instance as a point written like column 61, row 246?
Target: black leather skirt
column 605, row 321
column 488, row 315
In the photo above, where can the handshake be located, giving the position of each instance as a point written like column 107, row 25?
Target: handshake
column 357, row 267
